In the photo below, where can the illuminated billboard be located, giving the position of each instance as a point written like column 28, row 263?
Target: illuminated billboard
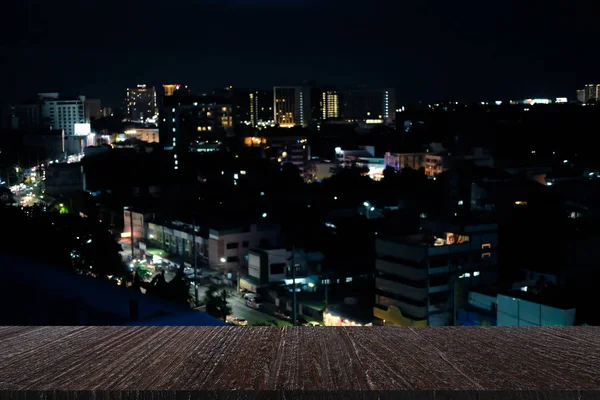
column 83, row 129
column 561, row 99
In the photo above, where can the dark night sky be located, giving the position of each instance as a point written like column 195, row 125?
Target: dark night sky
column 428, row 49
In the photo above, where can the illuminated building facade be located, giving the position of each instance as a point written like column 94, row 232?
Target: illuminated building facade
column 149, row 135
column 361, row 105
column 141, row 103
column 581, row 95
column 330, row 104
column 170, row 89
column 291, row 106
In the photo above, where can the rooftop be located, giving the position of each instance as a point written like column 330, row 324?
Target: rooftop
column 189, row 362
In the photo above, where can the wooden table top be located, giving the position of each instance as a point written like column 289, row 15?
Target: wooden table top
column 184, row 361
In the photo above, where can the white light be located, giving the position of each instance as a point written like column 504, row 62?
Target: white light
column 222, row 172
column 476, row 273
column 262, row 193
column 335, row 197
column 338, row 150
column 532, row 151
column 243, row 172
column 236, row 176
column 460, row 202
column 372, row 208
column 366, row 204
column 565, row 161
column 223, row 259
column 524, row 289
column 264, row 215
column 549, row 183
column 467, row 274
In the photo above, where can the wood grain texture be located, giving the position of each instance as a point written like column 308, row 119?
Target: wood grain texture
column 161, row 362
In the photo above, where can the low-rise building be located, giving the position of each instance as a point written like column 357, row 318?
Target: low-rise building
column 426, row 276
column 521, row 308
column 268, row 266
column 149, row 135
column 228, row 246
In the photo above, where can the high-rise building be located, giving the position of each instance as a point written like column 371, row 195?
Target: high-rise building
column 369, row 105
column 51, row 111
column 592, row 92
column 330, row 104
column 186, row 120
column 581, row 95
column 291, row 106
column 261, row 108
column 141, row 103
column 62, row 113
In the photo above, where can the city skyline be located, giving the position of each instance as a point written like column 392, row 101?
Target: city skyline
column 459, row 52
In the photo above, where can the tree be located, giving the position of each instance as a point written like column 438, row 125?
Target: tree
column 216, row 302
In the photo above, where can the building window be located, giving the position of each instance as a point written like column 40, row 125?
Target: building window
column 486, row 246
column 245, row 244
column 233, row 259
column 233, row 245
column 348, row 279
column 486, row 255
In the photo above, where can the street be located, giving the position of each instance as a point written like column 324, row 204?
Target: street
column 240, row 310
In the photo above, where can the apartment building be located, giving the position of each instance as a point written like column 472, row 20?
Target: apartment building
column 427, row 276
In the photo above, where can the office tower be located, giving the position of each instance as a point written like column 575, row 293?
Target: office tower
column 330, row 104
column 581, row 95
column 186, row 120
column 369, row 105
column 592, row 92
column 291, row 106
column 253, row 98
column 261, row 108
column 141, row 103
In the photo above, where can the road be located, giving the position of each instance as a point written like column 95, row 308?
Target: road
column 240, row 310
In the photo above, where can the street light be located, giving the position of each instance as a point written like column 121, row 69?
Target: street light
column 264, row 215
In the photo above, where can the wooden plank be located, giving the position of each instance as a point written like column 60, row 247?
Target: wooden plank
column 133, row 361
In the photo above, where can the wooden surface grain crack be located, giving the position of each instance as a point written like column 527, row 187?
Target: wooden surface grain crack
column 215, row 359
